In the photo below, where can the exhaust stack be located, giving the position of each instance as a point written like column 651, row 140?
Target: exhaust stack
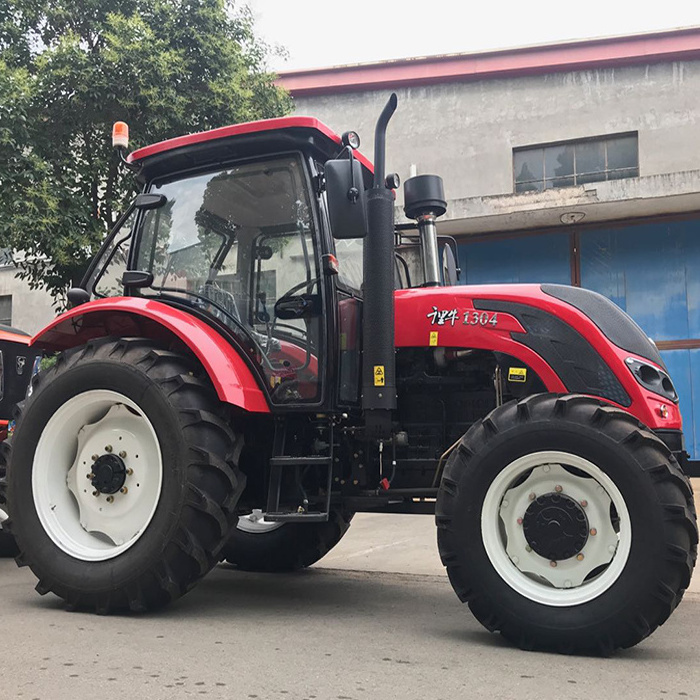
column 378, row 344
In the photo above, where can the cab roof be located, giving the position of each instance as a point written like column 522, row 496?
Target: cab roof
column 245, row 140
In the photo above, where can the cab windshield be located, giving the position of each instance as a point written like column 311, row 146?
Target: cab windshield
column 239, row 244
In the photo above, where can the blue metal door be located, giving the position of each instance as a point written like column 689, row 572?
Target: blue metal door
column 652, row 271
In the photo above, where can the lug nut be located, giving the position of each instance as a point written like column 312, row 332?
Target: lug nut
column 558, row 488
column 122, row 454
column 553, row 564
column 94, row 458
column 95, row 493
column 584, row 503
column 123, row 489
column 528, row 548
column 110, row 499
column 108, row 448
column 579, row 557
column 532, row 497
column 90, row 476
column 594, row 531
column 519, row 521
column 129, row 472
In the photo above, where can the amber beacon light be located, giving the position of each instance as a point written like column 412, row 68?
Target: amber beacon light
column 120, row 135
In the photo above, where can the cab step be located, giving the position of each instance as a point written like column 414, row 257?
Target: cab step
column 277, row 466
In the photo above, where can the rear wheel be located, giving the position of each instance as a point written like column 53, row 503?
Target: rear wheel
column 123, row 480
column 565, row 524
column 260, row 545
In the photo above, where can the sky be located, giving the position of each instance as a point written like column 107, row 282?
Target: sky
column 318, row 33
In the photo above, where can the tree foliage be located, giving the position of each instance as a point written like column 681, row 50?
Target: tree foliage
column 68, row 70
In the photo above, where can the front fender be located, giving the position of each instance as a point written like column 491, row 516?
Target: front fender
column 135, row 316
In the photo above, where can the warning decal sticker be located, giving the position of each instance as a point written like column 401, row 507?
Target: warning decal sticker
column 517, row 374
column 378, row 375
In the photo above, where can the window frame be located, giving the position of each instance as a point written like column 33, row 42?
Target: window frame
column 321, row 247
column 603, row 139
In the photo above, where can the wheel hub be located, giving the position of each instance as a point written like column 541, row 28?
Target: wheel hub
column 555, row 526
column 109, row 473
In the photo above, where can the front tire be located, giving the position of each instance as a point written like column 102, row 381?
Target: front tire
column 566, row 525
column 123, row 479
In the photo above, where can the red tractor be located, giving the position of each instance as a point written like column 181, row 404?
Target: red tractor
column 17, row 364
column 258, row 352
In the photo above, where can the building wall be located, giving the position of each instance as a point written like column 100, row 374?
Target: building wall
column 466, row 131
column 31, row 308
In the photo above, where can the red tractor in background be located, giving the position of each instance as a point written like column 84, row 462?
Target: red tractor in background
column 258, row 352
column 17, row 364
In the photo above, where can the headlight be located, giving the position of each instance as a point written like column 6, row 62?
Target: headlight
column 652, row 378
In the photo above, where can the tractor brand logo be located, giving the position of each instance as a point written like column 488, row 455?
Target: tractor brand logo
column 471, row 317
column 433, row 338
column 20, row 363
column 378, row 375
column 440, row 317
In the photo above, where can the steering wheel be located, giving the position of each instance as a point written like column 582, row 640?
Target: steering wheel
column 306, row 284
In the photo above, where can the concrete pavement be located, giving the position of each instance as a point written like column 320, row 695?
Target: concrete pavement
column 322, row 634
column 376, row 618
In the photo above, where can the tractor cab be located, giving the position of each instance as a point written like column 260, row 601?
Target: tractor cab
column 243, row 242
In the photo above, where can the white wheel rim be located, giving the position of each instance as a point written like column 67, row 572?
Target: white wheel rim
column 85, row 526
column 570, row 582
column 255, row 523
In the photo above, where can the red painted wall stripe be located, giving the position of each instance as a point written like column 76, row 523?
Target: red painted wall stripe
column 683, row 44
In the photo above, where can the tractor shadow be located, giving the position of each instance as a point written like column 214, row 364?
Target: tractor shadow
column 412, row 606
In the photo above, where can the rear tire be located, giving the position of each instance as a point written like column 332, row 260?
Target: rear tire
column 287, row 547
column 158, row 523
column 591, row 562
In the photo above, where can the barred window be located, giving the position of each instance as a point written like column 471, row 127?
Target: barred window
column 570, row 163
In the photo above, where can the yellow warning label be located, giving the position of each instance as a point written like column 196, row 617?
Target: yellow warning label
column 378, row 375
column 433, row 338
column 517, row 374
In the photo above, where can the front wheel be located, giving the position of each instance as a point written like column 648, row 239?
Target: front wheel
column 566, row 525
column 123, row 479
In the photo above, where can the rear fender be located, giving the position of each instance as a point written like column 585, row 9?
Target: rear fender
column 138, row 317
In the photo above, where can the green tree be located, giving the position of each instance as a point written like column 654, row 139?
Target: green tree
column 68, row 70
